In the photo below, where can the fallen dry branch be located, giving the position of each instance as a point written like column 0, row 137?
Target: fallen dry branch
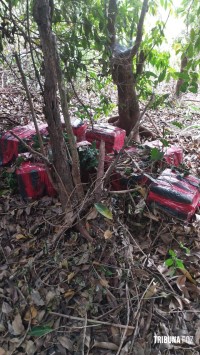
column 93, row 321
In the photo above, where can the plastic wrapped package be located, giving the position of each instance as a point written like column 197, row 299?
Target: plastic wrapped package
column 113, row 136
column 175, row 194
column 10, row 146
column 33, row 181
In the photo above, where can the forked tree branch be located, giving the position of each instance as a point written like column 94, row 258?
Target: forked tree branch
column 112, row 13
column 134, row 49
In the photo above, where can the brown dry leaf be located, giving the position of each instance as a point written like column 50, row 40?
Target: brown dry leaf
column 2, row 351
column 50, row 296
column 116, row 335
column 181, row 282
column 104, row 282
column 66, row 343
column 181, row 285
column 151, row 216
column 187, row 274
column 70, row 276
column 152, row 290
column 6, row 308
column 197, row 336
column 36, row 298
column 30, row 314
column 107, row 234
column 175, row 303
column 64, row 264
column 105, row 345
column 17, row 325
column 21, row 236
column 30, row 348
column 142, row 190
column 69, row 293
column 92, row 214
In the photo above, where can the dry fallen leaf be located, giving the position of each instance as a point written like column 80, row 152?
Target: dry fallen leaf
column 66, row 343
column 36, row 298
column 2, row 351
column 30, row 314
column 107, row 234
column 50, row 296
column 92, row 214
column 6, row 308
column 105, row 345
column 70, row 276
column 152, row 290
column 30, row 348
column 69, row 293
column 21, row 236
column 17, row 325
column 104, row 282
column 187, row 274
column 197, row 336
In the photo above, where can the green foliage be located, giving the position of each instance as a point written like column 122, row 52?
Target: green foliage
column 156, row 154
column 173, row 262
column 9, row 180
column 39, row 331
column 102, row 209
column 88, row 157
column 188, row 46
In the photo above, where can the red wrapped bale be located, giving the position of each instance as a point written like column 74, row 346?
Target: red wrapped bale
column 173, row 154
column 175, row 194
column 80, row 131
column 10, row 146
column 112, row 136
column 33, row 181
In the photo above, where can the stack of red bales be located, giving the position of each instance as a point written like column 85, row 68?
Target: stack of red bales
column 33, row 180
column 10, row 146
column 32, row 177
column 112, row 136
column 175, row 194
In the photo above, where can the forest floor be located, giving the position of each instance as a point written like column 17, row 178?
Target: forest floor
column 67, row 296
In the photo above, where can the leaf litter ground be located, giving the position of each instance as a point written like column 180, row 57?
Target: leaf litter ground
column 62, row 295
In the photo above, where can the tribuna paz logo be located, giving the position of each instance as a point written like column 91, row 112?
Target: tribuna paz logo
column 173, row 339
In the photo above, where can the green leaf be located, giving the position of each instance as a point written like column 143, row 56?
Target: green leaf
column 40, row 330
column 169, row 262
column 177, row 124
column 162, row 76
column 165, row 142
column 179, row 264
column 172, row 253
column 102, row 209
column 156, row 154
column 192, row 34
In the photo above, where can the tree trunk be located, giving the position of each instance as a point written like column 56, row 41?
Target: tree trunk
column 180, row 81
column 42, row 15
column 128, row 105
column 122, row 72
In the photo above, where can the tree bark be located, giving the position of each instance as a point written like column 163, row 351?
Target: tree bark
column 42, row 15
column 122, row 73
column 180, row 82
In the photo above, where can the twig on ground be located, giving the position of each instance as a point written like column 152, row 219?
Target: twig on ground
column 148, row 321
column 123, row 191
column 84, row 335
column 121, row 326
column 155, row 126
column 127, row 322
column 100, row 171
